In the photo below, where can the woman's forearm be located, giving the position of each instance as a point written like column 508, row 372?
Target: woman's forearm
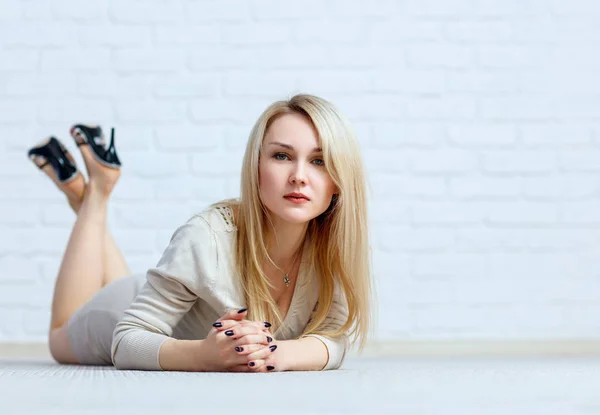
column 181, row 355
column 307, row 353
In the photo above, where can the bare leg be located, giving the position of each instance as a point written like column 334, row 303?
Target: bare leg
column 115, row 266
column 81, row 271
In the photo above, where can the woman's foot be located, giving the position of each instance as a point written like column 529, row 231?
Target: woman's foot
column 102, row 177
column 73, row 189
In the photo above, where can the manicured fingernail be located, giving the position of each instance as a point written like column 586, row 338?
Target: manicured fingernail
column 270, row 367
column 269, row 339
column 273, row 347
column 239, row 349
column 251, row 364
column 242, row 310
column 218, row 324
column 229, row 333
column 267, row 324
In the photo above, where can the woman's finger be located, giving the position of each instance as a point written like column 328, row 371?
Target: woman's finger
column 263, row 353
column 266, row 367
column 261, row 365
column 227, row 324
column 253, row 339
column 239, row 331
column 261, row 325
column 222, row 325
column 247, row 349
column 234, row 315
column 256, row 365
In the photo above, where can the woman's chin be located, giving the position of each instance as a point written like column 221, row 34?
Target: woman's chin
column 294, row 215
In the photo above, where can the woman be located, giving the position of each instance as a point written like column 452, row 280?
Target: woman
column 276, row 280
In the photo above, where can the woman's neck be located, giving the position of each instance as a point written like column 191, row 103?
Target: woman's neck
column 284, row 243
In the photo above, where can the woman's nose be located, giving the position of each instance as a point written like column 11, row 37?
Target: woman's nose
column 298, row 174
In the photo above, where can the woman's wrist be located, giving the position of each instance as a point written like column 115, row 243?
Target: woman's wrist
column 285, row 355
column 307, row 353
column 199, row 356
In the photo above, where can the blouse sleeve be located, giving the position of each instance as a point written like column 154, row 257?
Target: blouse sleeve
column 180, row 277
column 336, row 318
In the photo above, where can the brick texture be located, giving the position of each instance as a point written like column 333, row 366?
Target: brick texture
column 479, row 122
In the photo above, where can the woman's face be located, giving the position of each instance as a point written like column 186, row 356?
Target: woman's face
column 290, row 161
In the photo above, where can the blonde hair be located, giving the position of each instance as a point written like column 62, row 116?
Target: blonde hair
column 340, row 240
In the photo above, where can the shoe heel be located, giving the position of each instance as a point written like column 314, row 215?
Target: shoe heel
column 85, row 135
column 111, row 151
column 56, row 155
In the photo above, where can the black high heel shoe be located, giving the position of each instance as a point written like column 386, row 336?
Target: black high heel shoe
column 94, row 137
column 55, row 154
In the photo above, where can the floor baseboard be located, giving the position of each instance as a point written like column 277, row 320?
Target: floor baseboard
column 583, row 348
column 484, row 348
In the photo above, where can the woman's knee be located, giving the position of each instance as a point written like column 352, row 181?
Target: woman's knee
column 60, row 347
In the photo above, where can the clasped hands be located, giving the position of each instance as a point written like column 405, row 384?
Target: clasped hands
column 238, row 345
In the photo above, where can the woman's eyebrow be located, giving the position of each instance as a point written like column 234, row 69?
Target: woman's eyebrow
column 277, row 143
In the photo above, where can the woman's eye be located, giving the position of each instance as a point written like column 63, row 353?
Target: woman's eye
column 321, row 162
column 284, row 156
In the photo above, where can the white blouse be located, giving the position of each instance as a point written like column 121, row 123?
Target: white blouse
column 195, row 283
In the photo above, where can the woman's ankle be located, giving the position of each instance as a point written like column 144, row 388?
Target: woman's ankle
column 99, row 192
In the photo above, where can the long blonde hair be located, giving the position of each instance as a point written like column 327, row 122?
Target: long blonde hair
column 339, row 237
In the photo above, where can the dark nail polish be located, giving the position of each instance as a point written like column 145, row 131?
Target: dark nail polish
column 251, row 364
column 269, row 339
column 270, row 367
column 273, row 347
column 239, row 349
column 229, row 333
column 267, row 324
column 217, row 324
column 242, row 310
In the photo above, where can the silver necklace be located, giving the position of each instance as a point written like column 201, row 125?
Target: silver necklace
column 286, row 279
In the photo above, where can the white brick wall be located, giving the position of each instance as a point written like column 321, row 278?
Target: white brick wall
column 479, row 121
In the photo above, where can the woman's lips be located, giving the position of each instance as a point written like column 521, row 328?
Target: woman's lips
column 296, row 200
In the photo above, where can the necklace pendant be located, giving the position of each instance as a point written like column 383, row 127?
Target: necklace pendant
column 286, row 280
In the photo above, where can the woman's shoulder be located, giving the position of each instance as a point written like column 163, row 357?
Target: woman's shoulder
column 219, row 217
column 195, row 247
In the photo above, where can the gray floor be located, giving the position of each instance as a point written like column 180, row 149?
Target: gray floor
column 513, row 386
